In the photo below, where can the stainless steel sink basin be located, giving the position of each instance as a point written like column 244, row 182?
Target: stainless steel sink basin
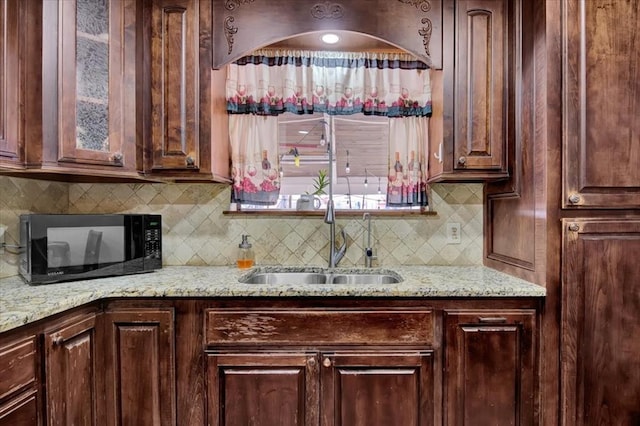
column 328, row 277
column 364, row 279
column 286, row 278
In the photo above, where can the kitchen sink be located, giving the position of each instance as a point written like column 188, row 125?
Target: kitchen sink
column 364, row 279
column 328, row 277
column 286, row 278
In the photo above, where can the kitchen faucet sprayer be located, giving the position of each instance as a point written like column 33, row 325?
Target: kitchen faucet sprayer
column 335, row 255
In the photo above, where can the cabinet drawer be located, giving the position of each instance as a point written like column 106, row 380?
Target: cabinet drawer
column 320, row 327
column 17, row 365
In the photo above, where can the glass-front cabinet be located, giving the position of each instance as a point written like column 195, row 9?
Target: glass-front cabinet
column 95, row 104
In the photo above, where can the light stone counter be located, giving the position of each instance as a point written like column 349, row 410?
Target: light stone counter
column 21, row 303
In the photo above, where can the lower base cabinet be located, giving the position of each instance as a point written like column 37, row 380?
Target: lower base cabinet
column 349, row 388
column 489, row 367
column 140, row 366
column 73, row 379
column 280, row 362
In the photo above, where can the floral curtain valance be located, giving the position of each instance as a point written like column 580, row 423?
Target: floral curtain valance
column 271, row 82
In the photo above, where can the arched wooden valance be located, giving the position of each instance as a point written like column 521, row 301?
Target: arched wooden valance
column 242, row 26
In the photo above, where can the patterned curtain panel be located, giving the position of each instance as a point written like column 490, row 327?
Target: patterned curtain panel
column 408, row 148
column 271, row 82
column 254, row 158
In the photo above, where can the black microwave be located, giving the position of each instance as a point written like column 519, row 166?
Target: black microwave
column 64, row 247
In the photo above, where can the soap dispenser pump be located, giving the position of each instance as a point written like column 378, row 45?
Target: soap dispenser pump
column 245, row 254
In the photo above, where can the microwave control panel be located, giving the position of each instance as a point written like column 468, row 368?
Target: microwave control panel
column 153, row 238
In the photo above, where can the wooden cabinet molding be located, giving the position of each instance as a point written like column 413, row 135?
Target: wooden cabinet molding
column 416, row 25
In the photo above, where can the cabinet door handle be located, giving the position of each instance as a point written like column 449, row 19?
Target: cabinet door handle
column 311, row 362
column 57, row 340
column 462, row 160
column 575, row 198
column 190, row 161
column 326, row 362
column 492, row 320
column 574, row 227
column 117, row 158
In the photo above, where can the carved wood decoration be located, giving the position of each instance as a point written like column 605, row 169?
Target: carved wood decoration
column 241, row 26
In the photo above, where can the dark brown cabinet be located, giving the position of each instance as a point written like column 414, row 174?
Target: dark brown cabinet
column 377, row 388
column 600, row 331
column 11, row 144
column 271, row 388
column 188, row 139
column 489, row 367
column 477, row 75
column 601, row 138
column 140, row 366
column 316, row 366
column 88, row 110
column 72, row 370
column 19, row 382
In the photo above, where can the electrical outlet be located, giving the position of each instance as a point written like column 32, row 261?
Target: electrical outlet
column 453, row 233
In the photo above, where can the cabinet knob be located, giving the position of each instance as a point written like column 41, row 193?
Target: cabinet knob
column 574, row 198
column 57, row 340
column 311, row 362
column 574, row 227
column 190, row 161
column 462, row 160
column 326, row 362
column 117, row 158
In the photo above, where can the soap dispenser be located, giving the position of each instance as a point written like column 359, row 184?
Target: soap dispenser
column 245, row 254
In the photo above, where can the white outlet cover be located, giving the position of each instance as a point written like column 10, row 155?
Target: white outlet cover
column 453, row 233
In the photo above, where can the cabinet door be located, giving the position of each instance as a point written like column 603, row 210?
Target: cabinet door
column 95, row 85
column 489, row 376
column 175, row 85
column 377, row 389
column 270, row 388
column 71, row 377
column 600, row 373
column 476, row 83
column 140, row 367
column 21, row 410
column 601, row 146
column 10, row 145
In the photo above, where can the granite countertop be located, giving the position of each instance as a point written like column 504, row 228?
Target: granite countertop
column 21, row 303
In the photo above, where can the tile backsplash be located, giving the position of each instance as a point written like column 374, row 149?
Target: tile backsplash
column 195, row 231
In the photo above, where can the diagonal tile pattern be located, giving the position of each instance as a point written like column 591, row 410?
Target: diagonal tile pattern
column 195, row 231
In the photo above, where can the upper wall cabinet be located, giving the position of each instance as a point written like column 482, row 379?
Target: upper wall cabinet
column 477, row 83
column 89, row 103
column 189, row 130
column 241, row 26
column 601, row 146
column 11, row 148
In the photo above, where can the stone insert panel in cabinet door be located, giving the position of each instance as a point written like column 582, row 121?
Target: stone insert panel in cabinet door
column 94, row 82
